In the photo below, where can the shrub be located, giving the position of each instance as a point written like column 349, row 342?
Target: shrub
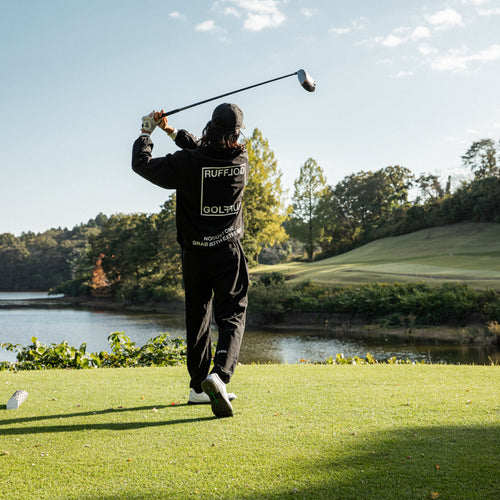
column 159, row 351
column 340, row 359
column 72, row 288
column 406, row 304
column 269, row 300
column 274, row 278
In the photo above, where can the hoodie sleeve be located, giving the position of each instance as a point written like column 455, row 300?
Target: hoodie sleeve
column 186, row 140
column 166, row 171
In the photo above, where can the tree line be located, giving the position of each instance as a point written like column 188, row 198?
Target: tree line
column 135, row 257
column 365, row 206
column 40, row 261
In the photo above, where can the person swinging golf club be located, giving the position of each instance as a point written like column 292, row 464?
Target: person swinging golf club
column 209, row 176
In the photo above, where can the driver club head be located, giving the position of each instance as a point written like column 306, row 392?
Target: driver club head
column 306, row 80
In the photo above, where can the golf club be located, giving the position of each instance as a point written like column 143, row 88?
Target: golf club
column 304, row 79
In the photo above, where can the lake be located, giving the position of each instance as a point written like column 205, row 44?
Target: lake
column 77, row 326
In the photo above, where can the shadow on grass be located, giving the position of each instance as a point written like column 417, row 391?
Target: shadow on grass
column 119, row 426
column 119, row 409
column 453, row 462
column 417, row 463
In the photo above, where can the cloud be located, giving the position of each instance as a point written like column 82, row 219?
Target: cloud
column 392, row 41
column 207, row 26
column 400, row 36
column 459, row 60
column 427, row 36
column 441, row 20
column 176, row 15
column 356, row 25
column 402, row 74
column 257, row 14
column 210, row 27
column 488, row 12
column 474, row 2
column 306, row 12
column 258, row 22
column 426, row 49
column 340, row 31
column 420, row 32
column 453, row 61
column 445, row 19
column 231, row 11
column 490, row 54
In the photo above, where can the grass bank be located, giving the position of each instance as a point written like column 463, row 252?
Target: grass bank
column 462, row 253
column 299, row 431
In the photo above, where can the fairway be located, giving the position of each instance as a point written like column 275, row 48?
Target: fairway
column 467, row 253
column 299, row 431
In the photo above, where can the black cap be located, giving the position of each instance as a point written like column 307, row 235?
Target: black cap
column 228, row 116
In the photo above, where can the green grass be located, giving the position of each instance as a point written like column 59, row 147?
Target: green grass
column 468, row 253
column 299, row 431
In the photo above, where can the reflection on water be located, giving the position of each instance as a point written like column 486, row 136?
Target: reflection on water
column 291, row 347
column 17, row 326
column 7, row 298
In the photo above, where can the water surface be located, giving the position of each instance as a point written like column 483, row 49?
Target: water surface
column 77, row 326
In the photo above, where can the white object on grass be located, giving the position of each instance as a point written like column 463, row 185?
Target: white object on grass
column 17, row 399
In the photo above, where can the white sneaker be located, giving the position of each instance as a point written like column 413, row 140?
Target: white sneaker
column 215, row 388
column 200, row 398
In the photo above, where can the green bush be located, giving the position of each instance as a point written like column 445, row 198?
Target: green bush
column 274, row 278
column 73, row 288
column 148, row 289
column 267, row 299
column 159, row 351
column 340, row 359
column 390, row 304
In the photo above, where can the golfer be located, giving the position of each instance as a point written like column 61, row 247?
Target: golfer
column 209, row 176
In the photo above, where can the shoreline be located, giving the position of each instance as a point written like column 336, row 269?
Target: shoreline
column 316, row 322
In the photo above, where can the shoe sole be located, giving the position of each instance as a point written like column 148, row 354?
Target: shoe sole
column 221, row 407
column 206, row 402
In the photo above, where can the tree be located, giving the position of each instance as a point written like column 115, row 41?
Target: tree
column 368, row 197
column 337, row 233
column 398, row 181
column 139, row 254
column 263, row 200
column 41, row 261
column 481, row 158
column 430, row 188
column 14, row 258
column 168, row 261
column 359, row 205
column 309, row 188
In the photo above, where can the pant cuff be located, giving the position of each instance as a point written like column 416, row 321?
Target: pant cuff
column 224, row 376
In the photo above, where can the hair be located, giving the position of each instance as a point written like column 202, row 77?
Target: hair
column 215, row 137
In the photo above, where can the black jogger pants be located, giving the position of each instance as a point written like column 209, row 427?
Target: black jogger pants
column 219, row 277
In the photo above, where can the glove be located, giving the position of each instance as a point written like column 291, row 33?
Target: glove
column 149, row 123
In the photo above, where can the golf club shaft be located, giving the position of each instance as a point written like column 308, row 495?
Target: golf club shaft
column 173, row 111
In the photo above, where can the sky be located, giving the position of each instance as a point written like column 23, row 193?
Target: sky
column 399, row 82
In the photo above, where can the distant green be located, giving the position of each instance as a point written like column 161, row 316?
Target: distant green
column 299, row 431
column 466, row 253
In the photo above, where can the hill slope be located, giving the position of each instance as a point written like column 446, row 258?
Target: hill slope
column 467, row 252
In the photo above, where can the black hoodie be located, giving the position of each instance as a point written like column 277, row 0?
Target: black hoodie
column 209, row 184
